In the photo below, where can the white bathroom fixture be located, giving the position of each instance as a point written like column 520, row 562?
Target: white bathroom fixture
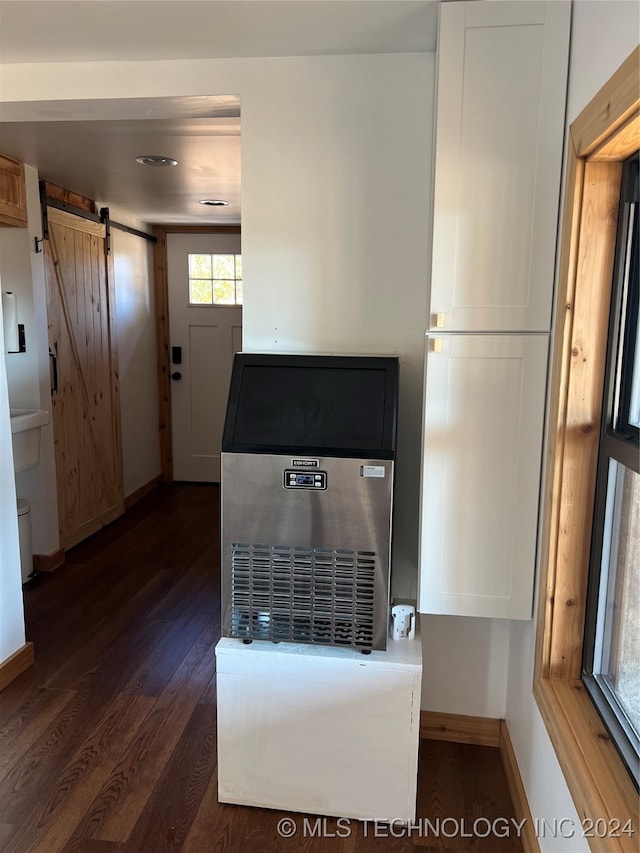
column 25, row 434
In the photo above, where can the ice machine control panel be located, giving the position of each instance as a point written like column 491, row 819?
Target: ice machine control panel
column 305, row 479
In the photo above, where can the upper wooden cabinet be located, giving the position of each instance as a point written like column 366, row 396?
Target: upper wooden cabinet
column 13, row 197
column 501, row 89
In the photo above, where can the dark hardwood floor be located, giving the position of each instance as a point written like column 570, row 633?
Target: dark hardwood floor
column 108, row 743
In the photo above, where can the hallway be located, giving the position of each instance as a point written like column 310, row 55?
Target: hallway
column 108, row 743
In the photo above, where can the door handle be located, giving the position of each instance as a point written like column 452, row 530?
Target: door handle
column 176, row 375
column 53, row 371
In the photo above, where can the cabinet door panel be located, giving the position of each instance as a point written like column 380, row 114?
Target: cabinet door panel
column 13, row 198
column 499, row 128
column 484, row 412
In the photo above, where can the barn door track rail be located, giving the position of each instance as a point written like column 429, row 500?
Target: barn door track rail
column 102, row 217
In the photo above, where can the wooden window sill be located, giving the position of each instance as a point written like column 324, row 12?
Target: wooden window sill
column 597, row 778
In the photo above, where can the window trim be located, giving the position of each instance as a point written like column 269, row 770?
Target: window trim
column 603, row 135
column 618, row 445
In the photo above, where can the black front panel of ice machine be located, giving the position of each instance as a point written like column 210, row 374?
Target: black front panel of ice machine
column 329, row 405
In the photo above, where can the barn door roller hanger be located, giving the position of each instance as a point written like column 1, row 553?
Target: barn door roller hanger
column 102, row 217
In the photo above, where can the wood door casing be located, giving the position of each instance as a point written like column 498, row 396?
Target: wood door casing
column 85, row 407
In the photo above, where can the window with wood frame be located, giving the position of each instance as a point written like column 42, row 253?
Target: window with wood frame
column 605, row 134
column 611, row 652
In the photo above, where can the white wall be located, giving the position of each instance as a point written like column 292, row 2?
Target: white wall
column 335, row 253
column 465, row 662
column 336, row 164
column 336, row 160
column 136, row 342
column 28, row 373
column 604, row 32
column 12, row 635
column 15, row 268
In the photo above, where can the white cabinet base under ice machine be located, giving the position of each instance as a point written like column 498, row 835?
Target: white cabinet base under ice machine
column 319, row 730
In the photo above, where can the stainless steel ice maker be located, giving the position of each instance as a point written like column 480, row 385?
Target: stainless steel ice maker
column 306, row 533
column 306, row 563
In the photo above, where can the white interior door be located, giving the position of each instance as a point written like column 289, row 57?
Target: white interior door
column 204, row 273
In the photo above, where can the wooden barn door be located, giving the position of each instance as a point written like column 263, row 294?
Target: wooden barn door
column 85, row 406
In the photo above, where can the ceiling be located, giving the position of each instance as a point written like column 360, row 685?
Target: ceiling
column 96, row 156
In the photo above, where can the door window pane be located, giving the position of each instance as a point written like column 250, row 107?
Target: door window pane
column 200, row 266
column 224, row 266
column 224, row 293
column 215, row 279
column 200, row 291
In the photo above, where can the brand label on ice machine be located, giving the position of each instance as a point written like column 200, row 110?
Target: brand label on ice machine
column 372, row 471
column 311, row 480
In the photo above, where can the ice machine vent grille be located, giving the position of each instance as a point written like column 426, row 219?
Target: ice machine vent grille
column 303, row 595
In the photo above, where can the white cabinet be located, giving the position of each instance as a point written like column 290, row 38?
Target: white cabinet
column 484, row 407
column 318, row 729
column 501, row 90
column 501, row 87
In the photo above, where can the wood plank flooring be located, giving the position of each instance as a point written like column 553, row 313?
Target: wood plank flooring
column 108, row 743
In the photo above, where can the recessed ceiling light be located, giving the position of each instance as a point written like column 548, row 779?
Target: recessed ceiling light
column 214, row 202
column 154, row 160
